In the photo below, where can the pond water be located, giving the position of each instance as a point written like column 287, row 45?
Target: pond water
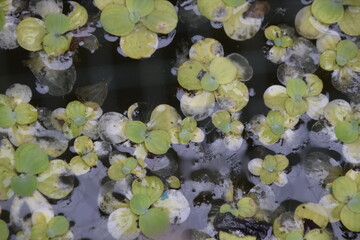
column 203, row 168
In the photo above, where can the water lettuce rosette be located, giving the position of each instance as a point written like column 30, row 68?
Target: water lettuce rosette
column 230, row 127
column 28, row 169
column 77, row 118
column 342, row 58
column 270, row 169
column 52, row 33
column 209, row 76
column 298, row 97
column 272, row 127
column 342, row 202
column 137, row 23
column 148, row 210
column 237, row 24
column 17, row 115
column 344, row 118
column 280, row 40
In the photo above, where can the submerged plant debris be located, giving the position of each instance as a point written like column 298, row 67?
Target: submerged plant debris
column 218, row 120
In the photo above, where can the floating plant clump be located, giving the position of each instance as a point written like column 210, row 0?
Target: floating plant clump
column 241, row 20
column 174, row 145
column 137, row 23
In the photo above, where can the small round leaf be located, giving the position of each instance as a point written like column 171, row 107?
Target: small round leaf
column 296, row 88
column 347, row 132
column 140, row 203
column 135, row 131
column 116, row 21
column 154, row 223
column 24, row 186
column 158, row 142
column 4, row 230
column 344, row 188
column 57, row 226
column 150, row 186
column 57, row 23
column 25, row 113
column 8, row 117
column 55, row 45
column 30, row 159
column 354, row 203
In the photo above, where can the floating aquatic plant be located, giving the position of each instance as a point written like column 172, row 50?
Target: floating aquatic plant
column 342, row 58
column 77, row 118
column 270, row 169
column 298, row 97
column 280, row 40
column 137, row 22
column 28, row 169
column 288, row 227
column 86, row 158
column 246, row 207
column 345, row 120
column 211, row 76
column 16, row 113
column 238, row 23
column 346, row 13
column 122, row 166
column 150, row 210
column 56, row 227
column 342, row 203
column 187, row 132
column 52, row 33
column 228, row 125
column 271, row 128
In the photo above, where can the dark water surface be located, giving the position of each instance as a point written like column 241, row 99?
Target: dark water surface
column 151, row 81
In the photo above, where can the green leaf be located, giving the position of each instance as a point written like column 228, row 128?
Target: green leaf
column 158, row 142
column 25, row 113
column 209, row 83
column 78, row 17
column 174, row 182
column 140, row 43
column 296, row 88
column 328, row 60
column 269, row 163
column 57, row 23
column 135, row 131
column 247, row 207
column 344, row 188
column 115, row 172
column 350, row 219
column 189, row 123
column 30, row 34
column 234, row 3
column 57, row 226
column 140, row 203
column 7, row 116
column 76, row 111
column 90, row 159
column 4, row 230
column 272, row 32
column 294, row 236
column 345, row 51
column 151, row 186
column 275, row 119
column 163, row 19
column 163, row 117
column 55, row 45
column 38, row 232
column 185, row 136
column 24, row 186
column 347, row 132
column 139, row 9
column 327, row 11
column 2, row 19
column 295, row 107
column 237, row 127
column 222, row 120
column 83, row 145
column 154, row 223
column 30, row 159
column 223, row 70
column 354, row 203
column 116, row 21
column 129, row 165
column 188, row 75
